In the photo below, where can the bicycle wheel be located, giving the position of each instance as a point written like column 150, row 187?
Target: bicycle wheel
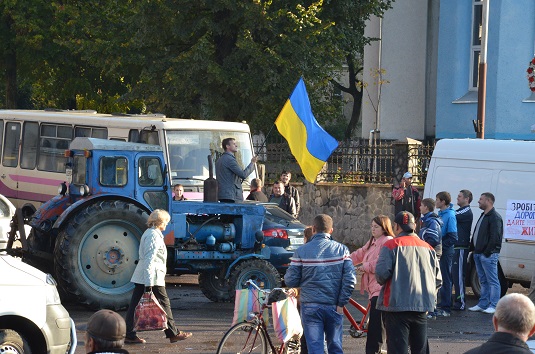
column 243, row 338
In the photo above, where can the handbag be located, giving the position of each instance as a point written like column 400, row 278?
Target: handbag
column 286, row 319
column 149, row 314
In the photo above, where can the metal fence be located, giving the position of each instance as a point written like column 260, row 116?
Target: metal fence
column 355, row 161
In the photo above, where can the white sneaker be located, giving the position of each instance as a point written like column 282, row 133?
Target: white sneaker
column 475, row 308
column 490, row 310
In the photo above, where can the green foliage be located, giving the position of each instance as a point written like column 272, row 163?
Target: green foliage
column 207, row 59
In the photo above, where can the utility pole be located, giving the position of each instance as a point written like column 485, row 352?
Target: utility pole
column 482, row 84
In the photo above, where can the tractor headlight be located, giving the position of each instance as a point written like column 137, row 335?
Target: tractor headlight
column 62, row 189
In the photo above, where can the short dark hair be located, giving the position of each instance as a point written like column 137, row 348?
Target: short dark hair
column 489, row 196
column 225, row 142
column 178, row 185
column 286, row 172
column 429, row 203
column 323, row 223
column 278, row 182
column 256, row 183
column 445, row 196
column 467, row 194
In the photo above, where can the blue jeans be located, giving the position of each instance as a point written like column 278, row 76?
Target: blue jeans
column 487, row 270
column 446, row 261
column 322, row 322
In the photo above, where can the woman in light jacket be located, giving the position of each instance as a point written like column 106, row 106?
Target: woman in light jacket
column 150, row 272
column 365, row 259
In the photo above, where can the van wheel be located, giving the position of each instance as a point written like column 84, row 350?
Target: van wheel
column 13, row 342
column 97, row 251
column 214, row 286
column 476, row 286
column 263, row 273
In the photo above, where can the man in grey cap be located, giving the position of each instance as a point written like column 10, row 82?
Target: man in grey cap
column 105, row 333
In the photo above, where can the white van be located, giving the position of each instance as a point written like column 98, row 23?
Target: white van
column 506, row 168
column 32, row 319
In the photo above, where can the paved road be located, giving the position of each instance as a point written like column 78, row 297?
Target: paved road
column 208, row 321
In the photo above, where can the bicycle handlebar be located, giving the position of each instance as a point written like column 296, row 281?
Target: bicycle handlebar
column 253, row 284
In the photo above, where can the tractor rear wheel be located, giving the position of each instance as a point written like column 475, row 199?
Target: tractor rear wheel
column 97, row 251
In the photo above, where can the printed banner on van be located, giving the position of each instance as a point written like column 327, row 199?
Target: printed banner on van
column 519, row 220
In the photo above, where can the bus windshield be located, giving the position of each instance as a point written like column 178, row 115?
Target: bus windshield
column 189, row 150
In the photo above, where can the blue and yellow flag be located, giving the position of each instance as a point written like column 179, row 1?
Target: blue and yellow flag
column 309, row 143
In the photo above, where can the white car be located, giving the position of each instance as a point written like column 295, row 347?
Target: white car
column 32, row 319
column 7, row 210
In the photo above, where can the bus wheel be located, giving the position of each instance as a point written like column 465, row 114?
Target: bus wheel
column 263, row 273
column 97, row 251
column 214, row 286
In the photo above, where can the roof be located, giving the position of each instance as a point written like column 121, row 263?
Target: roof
column 104, row 144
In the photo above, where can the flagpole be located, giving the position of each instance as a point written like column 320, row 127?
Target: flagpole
column 265, row 139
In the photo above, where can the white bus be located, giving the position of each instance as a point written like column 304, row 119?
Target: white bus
column 33, row 145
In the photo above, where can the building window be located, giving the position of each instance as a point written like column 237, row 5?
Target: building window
column 475, row 43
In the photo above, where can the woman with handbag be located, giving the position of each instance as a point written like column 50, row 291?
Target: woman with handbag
column 150, row 272
column 365, row 259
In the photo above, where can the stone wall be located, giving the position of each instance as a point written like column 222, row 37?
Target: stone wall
column 352, row 208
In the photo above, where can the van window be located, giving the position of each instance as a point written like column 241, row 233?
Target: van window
column 1, row 133
column 11, row 145
column 54, row 140
column 476, row 180
column 30, row 138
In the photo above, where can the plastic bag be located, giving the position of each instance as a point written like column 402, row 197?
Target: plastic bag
column 149, row 314
column 246, row 302
column 286, row 319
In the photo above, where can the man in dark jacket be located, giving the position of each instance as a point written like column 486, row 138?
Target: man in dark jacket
column 229, row 174
column 285, row 201
column 464, row 218
column 324, row 271
column 256, row 191
column 286, row 176
column 514, row 323
column 105, row 333
column 406, row 196
column 486, row 245
column 409, row 271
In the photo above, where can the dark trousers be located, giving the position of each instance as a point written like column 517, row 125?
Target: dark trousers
column 446, row 261
column 458, row 271
column 376, row 331
column 163, row 299
column 404, row 329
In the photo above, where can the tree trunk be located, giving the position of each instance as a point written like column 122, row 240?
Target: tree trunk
column 10, row 61
column 355, row 114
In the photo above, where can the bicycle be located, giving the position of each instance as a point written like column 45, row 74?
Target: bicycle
column 357, row 329
column 253, row 336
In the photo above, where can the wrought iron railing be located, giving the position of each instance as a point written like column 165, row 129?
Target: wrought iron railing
column 355, row 161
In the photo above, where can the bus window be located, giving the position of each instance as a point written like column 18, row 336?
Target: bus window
column 113, row 171
column 30, row 138
column 54, row 140
column 150, row 137
column 133, row 136
column 11, row 145
column 90, row 132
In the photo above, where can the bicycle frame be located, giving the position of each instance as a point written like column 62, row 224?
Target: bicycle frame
column 358, row 329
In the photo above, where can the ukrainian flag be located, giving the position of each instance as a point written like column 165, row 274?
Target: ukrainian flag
column 309, row 143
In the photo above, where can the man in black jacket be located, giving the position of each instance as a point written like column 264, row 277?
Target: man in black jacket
column 464, row 218
column 514, row 323
column 285, row 201
column 486, row 244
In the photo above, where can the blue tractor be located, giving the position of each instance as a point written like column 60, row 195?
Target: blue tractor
column 88, row 235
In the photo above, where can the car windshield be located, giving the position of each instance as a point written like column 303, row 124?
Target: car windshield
column 189, row 150
column 276, row 214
